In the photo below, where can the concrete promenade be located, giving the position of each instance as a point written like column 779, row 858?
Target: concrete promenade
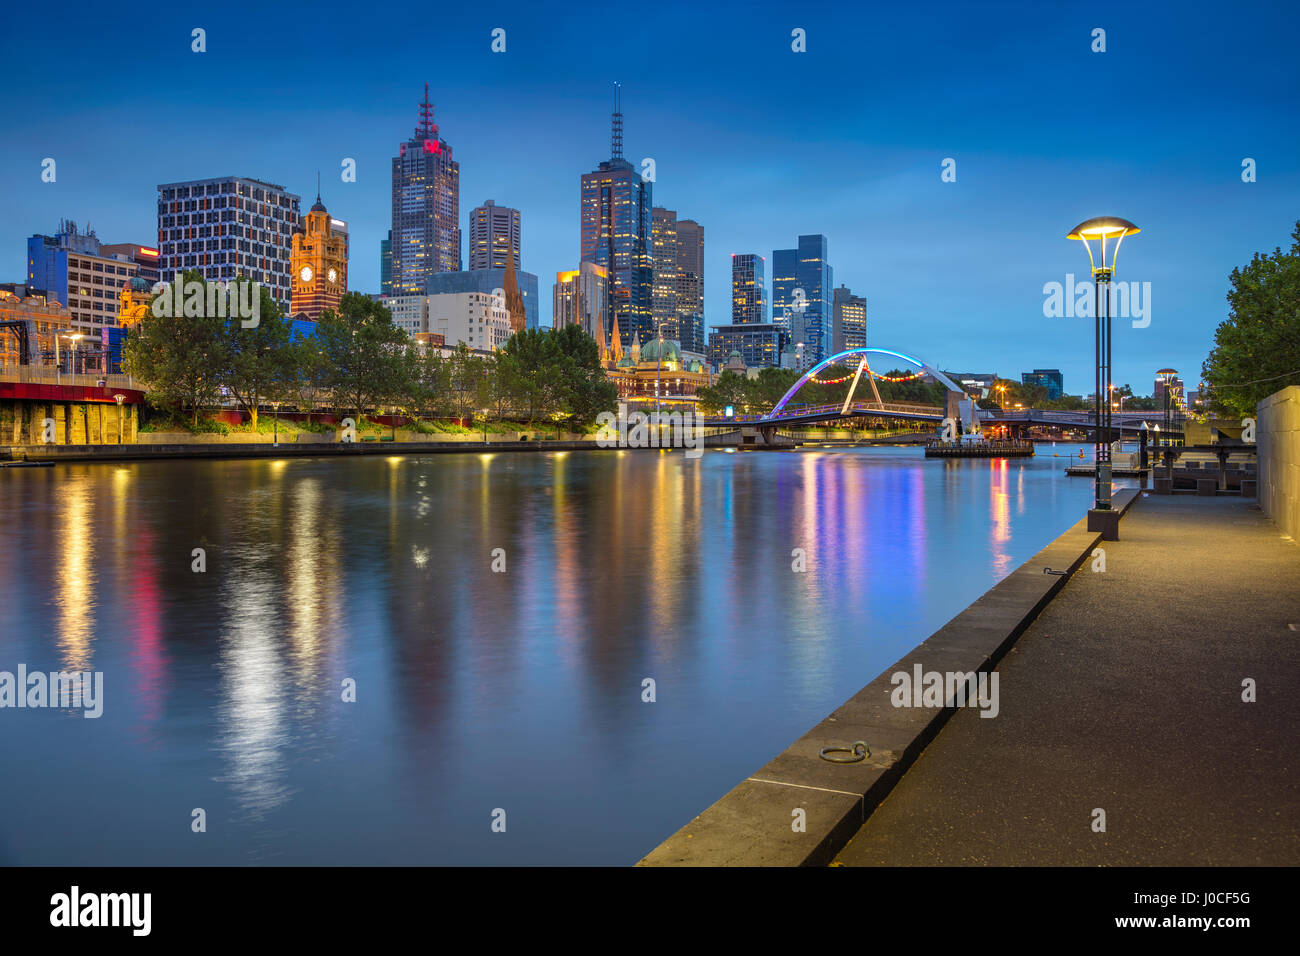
column 1125, row 694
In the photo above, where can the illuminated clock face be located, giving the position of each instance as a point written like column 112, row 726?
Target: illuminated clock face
column 333, row 276
column 306, row 274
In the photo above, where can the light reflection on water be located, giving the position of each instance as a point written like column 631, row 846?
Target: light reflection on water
column 475, row 689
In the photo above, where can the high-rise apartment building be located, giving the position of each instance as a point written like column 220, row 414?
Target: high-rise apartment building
column 615, row 226
column 426, row 208
column 74, row 269
column 493, row 232
column 228, row 227
column 850, row 320
column 801, row 296
column 320, row 262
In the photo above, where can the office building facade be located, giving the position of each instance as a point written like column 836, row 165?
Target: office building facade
column 849, row 314
column 494, row 232
column 1048, row 378
column 491, row 281
column 74, row 269
column 228, row 227
column 580, row 297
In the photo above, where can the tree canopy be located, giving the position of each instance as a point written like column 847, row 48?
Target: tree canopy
column 1257, row 348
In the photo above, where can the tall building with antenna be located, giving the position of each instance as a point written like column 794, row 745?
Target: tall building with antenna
column 615, row 225
column 426, row 208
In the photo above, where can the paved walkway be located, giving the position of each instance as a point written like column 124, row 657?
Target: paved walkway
column 1126, row 695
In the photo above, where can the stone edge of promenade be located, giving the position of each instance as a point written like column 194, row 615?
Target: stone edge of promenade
column 143, row 452
column 751, row 824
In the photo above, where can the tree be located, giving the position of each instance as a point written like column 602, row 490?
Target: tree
column 181, row 358
column 365, row 355
column 257, row 361
column 1257, row 348
column 430, row 378
column 464, row 378
column 728, row 389
column 582, row 391
column 305, row 384
column 533, row 362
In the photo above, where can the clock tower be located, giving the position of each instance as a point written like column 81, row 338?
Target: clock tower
column 319, row 263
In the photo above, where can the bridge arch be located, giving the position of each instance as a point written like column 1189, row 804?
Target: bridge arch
column 862, row 351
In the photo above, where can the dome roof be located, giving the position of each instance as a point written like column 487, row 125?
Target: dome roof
column 655, row 351
column 625, row 362
column 318, row 206
column 735, row 353
column 140, row 284
column 694, row 365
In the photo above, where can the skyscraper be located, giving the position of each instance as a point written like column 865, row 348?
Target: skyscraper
column 614, row 219
column 801, row 296
column 579, row 298
column 678, row 291
column 757, row 340
column 426, row 207
column 748, row 290
column 493, row 230
column 663, row 234
column 850, row 320
column 227, row 227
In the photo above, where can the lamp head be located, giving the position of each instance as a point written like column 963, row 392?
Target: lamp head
column 1099, row 229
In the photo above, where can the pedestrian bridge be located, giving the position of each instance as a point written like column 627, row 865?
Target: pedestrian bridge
column 786, row 414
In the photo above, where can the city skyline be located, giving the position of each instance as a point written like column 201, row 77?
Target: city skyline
column 942, row 264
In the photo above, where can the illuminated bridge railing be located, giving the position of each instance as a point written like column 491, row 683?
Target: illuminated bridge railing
column 857, row 408
column 44, row 375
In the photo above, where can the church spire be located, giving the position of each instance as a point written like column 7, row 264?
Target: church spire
column 514, row 299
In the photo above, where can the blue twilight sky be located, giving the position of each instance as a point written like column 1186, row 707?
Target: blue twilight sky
column 756, row 142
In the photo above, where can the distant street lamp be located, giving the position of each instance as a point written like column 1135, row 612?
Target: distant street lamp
column 119, row 398
column 1101, row 229
column 1166, row 377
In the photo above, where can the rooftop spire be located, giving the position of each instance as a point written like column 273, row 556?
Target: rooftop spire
column 427, row 129
column 616, row 133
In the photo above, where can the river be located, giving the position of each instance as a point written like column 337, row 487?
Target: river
column 514, row 695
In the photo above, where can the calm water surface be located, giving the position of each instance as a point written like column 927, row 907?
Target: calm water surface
column 475, row 690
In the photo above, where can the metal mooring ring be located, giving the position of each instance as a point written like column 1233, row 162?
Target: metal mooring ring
column 859, row 751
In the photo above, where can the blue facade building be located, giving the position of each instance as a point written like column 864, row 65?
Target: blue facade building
column 802, row 296
column 1049, row 378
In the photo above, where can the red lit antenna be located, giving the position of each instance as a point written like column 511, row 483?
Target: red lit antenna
column 427, row 129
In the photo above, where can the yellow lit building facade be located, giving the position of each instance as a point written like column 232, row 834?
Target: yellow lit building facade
column 319, row 263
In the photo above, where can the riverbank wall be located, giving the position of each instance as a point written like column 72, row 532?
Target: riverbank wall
column 800, row 809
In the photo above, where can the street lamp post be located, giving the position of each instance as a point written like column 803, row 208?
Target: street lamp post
column 119, row 398
column 1102, row 518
